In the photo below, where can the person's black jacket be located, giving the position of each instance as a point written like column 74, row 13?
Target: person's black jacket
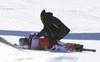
column 57, row 29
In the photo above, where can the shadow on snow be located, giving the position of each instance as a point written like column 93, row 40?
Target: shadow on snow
column 72, row 36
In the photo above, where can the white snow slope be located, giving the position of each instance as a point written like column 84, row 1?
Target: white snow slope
column 18, row 18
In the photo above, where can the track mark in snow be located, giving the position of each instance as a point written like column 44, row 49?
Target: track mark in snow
column 64, row 59
column 24, row 59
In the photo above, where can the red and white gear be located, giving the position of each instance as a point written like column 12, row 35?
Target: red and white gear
column 43, row 43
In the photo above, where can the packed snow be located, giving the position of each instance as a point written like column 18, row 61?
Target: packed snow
column 18, row 18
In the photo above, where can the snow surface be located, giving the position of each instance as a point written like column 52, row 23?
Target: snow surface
column 18, row 18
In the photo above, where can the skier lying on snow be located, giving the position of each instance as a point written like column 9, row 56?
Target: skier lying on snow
column 55, row 30
column 42, row 43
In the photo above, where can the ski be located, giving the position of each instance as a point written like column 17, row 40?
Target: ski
column 92, row 50
column 2, row 40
